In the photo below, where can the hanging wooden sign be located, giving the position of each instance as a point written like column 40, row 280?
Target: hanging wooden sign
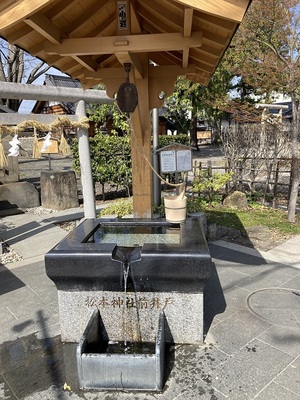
column 52, row 149
column 122, row 16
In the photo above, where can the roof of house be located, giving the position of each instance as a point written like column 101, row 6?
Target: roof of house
column 4, row 109
column 60, row 81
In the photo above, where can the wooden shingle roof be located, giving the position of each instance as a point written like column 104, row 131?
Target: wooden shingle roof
column 91, row 39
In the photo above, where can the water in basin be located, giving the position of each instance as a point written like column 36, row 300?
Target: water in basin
column 137, row 235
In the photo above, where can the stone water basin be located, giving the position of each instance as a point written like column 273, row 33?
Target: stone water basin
column 174, row 257
column 169, row 264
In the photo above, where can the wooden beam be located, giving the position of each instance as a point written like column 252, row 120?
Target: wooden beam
column 61, row 9
column 133, row 59
column 21, row 11
column 117, row 44
column 134, row 20
column 6, row 4
column 160, row 16
column 188, row 22
column 234, row 10
column 141, row 148
column 124, row 8
column 163, row 71
column 187, row 31
column 87, row 62
column 40, row 23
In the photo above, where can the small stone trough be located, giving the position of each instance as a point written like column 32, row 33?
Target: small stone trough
column 139, row 369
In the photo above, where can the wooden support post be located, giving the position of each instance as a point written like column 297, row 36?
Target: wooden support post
column 141, row 149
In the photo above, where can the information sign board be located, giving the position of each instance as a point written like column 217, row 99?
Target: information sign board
column 175, row 160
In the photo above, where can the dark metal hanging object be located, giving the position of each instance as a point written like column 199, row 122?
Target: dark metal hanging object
column 127, row 96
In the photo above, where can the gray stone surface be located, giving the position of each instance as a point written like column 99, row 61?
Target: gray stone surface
column 19, row 194
column 266, row 366
column 250, row 370
column 275, row 391
column 133, row 316
column 289, row 378
column 277, row 306
column 236, row 200
column 11, row 173
column 59, row 190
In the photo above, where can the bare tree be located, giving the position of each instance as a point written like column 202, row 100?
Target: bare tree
column 253, row 151
column 18, row 67
column 267, row 56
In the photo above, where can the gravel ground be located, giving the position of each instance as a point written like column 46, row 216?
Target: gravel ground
column 30, row 168
column 30, row 171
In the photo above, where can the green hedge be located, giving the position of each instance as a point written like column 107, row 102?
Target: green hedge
column 165, row 140
column 110, row 160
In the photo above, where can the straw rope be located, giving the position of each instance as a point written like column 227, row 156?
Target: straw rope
column 59, row 122
column 57, row 125
column 3, row 158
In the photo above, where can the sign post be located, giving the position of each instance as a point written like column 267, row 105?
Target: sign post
column 51, row 149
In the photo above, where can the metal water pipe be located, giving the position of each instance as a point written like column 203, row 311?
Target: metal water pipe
column 155, row 160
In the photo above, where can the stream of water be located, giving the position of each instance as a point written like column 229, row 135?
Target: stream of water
column 126, row 255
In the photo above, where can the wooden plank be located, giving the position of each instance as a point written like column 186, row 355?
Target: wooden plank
column 187, row 31
column 232, row 10
column 87, row 62
column 18, row 34
column 164, row 71
column 21, row 11
column 115, row 44
column 45, row 27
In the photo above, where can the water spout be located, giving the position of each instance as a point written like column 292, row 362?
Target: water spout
column 126, row 255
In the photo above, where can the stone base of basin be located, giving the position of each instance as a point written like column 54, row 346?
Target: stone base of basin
column 133, row 316
column 128, row 371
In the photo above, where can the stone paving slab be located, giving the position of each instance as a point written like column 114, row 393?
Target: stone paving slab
column 251, row 369
column 289, row 378
column 243, row 357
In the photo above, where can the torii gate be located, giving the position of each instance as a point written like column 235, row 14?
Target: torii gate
column 77, row 95
column 161, row 39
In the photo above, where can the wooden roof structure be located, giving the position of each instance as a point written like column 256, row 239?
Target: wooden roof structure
column 161, row 40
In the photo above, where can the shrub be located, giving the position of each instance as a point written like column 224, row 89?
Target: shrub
column 110, row 160
column 165, row 140
column 209, row 186
column 120, row 208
